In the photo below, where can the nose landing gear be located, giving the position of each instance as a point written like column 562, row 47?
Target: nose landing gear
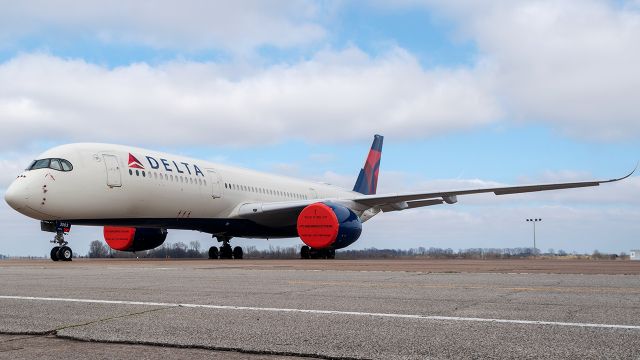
column 61, row 252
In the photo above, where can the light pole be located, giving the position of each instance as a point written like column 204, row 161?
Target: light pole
column 534, row 221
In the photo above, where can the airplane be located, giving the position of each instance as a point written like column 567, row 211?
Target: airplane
column 137, row 195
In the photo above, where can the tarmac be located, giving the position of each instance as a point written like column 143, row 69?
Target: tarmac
column 329, row 309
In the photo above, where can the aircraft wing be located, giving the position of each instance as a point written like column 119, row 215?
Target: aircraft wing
column 394, row 202
column 287, row 212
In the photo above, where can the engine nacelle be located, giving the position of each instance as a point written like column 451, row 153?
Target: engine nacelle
column 133, row 239
column 327, row 225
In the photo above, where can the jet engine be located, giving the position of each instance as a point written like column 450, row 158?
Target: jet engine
column 327, row 225
column 133, row 239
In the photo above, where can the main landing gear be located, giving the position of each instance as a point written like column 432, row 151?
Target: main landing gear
column 225, row 251
column 61, row 252
column 310, row 253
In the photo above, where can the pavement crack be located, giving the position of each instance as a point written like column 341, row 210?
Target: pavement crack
column 31, row 333
column 55, row 332
column 18, row 338
column 214, row 348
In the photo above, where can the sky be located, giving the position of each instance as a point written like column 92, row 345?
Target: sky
column 467, row 95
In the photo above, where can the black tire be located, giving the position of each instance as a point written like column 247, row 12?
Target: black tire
column 237, row 252
column 65, row 253
column 331, row 254
column 54, row 253
column 213, row 252
column 304, row 252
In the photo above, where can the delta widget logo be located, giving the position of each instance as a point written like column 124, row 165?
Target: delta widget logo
column 134, row 163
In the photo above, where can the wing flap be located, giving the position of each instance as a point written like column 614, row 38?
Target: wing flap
column 410, row 205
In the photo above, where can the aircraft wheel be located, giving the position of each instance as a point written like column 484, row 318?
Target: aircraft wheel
column 54, row 253
column 213, row 252
column 237, row 252
column 65, row 253
column 331, row 254
column 304, row 252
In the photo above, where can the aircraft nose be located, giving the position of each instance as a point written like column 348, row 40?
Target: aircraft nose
column 15, row 195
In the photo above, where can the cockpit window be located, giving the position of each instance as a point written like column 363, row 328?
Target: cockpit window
column 66, row 166
column 40, row 164
column 55, row 164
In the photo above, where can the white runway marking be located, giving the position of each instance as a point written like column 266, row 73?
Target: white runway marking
column 327, row 312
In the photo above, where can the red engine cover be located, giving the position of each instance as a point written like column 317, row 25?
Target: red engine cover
column 119, row 238
column 318, row 226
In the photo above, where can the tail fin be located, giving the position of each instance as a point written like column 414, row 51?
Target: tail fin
column 368, row 178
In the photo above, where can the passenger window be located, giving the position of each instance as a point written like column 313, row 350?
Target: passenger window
column 143, row 174
column 137, row 173
column 130, row 172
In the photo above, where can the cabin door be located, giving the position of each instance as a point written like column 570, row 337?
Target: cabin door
column 113, row 170
column 214, row 180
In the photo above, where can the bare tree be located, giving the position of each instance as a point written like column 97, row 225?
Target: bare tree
column 195, row 245
column 98, row 250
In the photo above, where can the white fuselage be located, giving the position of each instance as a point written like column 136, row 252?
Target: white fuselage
column 104, row 184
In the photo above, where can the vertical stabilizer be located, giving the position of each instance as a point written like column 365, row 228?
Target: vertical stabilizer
column 368, row 178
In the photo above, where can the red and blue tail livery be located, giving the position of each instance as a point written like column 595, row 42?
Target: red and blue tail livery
column 368, row 178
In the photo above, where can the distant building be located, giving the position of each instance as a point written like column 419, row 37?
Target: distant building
column 634, row 255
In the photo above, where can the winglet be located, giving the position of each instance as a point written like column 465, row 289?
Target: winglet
column 368, row 178
column 624, row 177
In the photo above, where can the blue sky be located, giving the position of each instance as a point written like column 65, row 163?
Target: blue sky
column 467, row 95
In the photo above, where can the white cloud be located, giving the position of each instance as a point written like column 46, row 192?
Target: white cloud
column 11, row 165
column 334, row 96
column 191, row 24
column 572, row 63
